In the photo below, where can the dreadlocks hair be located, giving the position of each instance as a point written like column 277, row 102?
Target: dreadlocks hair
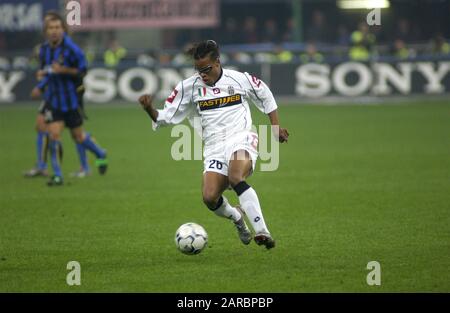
column 54, row 16
column 204, row 48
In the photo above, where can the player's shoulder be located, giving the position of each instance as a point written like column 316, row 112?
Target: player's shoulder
column 245, row 79
column 191, row 81
column 239, row 76
column 233, row 73
column 186, row 85
column 44, row 45
column 42, row 49
column 69, row 43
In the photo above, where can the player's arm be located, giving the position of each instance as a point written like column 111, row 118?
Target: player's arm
column 40, row 74
column 78, row 64
column 61, row 69
column 37, row 91
column 41, row 77
column 146, row 102
column 176, row 107
column 281, row 133
column 262, row 97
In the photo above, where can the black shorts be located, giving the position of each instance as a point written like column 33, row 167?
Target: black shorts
column 71, row 118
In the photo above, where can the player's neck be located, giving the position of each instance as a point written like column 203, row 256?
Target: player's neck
column 56, row 43
column 218, row 77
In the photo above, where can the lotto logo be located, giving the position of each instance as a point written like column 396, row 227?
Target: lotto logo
column 256, row 81
column 172, row 96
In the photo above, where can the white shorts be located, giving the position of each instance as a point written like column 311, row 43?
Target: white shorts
column 218, row 157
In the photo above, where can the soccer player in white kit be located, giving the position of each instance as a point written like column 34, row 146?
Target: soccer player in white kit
column 219, row 97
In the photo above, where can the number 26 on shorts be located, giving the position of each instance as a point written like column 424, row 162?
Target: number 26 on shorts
column 215, row 164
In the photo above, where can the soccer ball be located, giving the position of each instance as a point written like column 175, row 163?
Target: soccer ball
column 191, row 238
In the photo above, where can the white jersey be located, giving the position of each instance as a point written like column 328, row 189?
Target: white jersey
column 223, row 109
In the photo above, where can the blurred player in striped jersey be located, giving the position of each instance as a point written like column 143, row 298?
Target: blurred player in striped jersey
column 40, row 168
column 219, row 97
column 63, row 66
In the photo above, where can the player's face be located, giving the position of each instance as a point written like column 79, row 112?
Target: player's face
column 208, row 69
column 54, row 31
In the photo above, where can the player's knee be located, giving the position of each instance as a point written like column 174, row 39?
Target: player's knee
column 235, row 178
column 78, row 137
column 40, row 125
column 55, row 137
column 210, row 198
column 54, row 134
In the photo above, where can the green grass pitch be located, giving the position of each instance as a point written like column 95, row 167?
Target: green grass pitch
column 355, row 184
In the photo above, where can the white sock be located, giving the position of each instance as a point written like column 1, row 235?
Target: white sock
column 250, row 204
column 227, row 211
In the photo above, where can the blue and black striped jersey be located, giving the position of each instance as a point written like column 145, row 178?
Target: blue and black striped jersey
column 61, row 89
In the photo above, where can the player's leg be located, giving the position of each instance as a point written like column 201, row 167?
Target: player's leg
column 84, row 165
column 214, row 184
column 74, row 121
column 55, row 129
column 41, row 142
column 82, row 156
column 85, row 139
column 81, row 150
column 41, row 148
column 240, row 167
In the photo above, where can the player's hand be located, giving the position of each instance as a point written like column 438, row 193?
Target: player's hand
column 57, row 68
column 40, row 75
column 284, row 135
column 146, row 102
column 36, row 93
